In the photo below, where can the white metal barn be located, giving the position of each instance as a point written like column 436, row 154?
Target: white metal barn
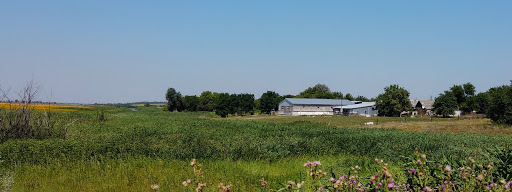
column 303, row 106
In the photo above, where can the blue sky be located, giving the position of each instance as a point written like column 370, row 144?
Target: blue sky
column 126, row 51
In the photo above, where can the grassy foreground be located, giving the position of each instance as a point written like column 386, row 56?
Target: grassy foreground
column 133, row 150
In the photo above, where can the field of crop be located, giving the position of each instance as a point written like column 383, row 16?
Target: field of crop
column 136, row 150
column 465, row 124
column 46, row 107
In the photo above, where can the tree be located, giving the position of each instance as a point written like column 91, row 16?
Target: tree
column 337, row 95
column 469, row 89
column 269, row 101
column 222, row 104
column 445, row 104
column 206, row 101
column 458, row 92
column 320, row 91
column 500, row 104
column 393, row 101
column 349, row 96
column 174, row 100
column 481, row 103
column 362, row 98
column 246, row 103
column 469, row 104
column 190, row 103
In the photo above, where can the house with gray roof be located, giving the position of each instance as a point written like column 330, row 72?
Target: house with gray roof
column 306, row 106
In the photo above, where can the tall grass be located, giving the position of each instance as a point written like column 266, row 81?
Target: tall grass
column 129, row 151
column 185, row 136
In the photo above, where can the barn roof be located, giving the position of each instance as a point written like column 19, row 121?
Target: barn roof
column 363, row 104
column 427, row 104
column 327, row 102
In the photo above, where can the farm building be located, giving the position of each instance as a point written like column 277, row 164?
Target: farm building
column 303, row 106
column 359, row 109
column 422, row 107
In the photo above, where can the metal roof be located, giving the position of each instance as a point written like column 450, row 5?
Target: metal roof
column 328, row 102
column 355, row 106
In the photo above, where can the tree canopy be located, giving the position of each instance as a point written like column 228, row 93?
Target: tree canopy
column 174, row 100
column 190, row 103
column 445, row 104
column 268, row 101
column 393, row 101
column 206, row 101
column 500, row 104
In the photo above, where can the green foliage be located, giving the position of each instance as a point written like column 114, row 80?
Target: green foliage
column 174, row 100
column 184, row 136
column 25, row 123
column 459, row 94
column 245, row 103
column 147, row 105
column 206, row 101
column 502, row 157
column 320, row 91
column 190, row 103
column 445, row 104
column 223, row 104
column 349, row 96
column 469, row 89
column 500, row 104
column 480, row 103
column 337, row 95
column 362, row 98
column 269, row 101
column 151, row 146
column 234, row 104
column 393, row 101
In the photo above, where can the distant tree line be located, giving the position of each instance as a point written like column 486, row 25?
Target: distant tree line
column 224, row 104
column 496, row 103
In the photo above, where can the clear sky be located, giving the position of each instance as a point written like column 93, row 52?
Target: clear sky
column 126, row 51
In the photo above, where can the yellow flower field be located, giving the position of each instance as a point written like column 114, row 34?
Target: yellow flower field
column 52, row 107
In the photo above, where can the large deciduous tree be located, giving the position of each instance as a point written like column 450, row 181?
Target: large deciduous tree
column 500, row 104
column 190, row 103
column 174, row 100
column 269, row 101
column 206, row 101
column 445, row 104
column 459, row 94
column 393, row 101
column 222, row 104
column 320, row 91
column 349, row 96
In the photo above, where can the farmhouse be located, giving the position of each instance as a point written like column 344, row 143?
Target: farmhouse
column 422, row 107
column 303, row 106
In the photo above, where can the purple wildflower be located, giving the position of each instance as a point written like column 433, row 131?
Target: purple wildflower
column 413, row 171
column 391, row 185
column 376, row 175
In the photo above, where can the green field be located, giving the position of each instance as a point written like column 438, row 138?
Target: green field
column 133, row 150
